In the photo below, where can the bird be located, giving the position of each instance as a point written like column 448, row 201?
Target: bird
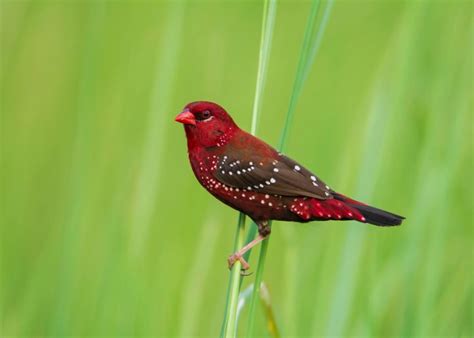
column 254, row 178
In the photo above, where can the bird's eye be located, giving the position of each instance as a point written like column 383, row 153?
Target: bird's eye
column 204, row 115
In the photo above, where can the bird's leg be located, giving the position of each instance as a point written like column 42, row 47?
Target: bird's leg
column 238, row 256
column 263, row 232
column 264, row 228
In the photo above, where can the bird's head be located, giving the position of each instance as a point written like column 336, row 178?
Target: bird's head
column 206, row 124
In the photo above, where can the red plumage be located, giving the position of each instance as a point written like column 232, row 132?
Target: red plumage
column 251, row 176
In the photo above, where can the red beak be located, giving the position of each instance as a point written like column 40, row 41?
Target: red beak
column 186, row 117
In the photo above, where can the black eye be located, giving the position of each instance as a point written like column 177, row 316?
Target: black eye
column 204, row 115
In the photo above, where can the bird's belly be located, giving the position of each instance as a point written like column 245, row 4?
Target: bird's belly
column 256, row 205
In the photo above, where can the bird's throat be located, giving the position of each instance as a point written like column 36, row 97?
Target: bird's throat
column 206, row 139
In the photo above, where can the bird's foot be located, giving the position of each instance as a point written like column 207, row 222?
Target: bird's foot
column 238, row 257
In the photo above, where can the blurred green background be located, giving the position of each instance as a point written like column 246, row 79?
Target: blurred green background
column 106, row 232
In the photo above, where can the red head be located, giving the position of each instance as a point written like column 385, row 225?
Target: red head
column 206, row 124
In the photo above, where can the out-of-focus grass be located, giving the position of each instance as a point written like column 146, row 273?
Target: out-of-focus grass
column 104, row 230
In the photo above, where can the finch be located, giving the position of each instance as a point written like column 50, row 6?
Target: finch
column 251, row 176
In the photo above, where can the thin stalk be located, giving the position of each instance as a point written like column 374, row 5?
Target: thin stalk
column 229, row 324
column 307, row 56
column 256, row 290
column 302, row 67
column 318, row 38
column 250, row 236
column 268, row 23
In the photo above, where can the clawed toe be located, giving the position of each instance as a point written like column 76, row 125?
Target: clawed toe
column 237, row 257
column 245, row 273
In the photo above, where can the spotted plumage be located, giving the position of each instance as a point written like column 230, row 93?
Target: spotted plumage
column 251, row 176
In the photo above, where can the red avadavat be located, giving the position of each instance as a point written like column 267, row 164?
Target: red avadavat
column 251, row 176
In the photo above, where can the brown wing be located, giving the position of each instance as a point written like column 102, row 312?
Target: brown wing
column 280, row 176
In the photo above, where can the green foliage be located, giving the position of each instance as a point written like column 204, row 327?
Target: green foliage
column 104, row 230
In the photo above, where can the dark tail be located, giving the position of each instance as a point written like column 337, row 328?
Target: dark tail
column 377, row 216
column 372, row 215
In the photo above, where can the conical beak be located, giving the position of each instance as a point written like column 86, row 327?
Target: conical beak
column 186, row 117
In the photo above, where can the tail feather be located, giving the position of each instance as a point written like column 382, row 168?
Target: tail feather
column 379, row 217
column 372, row 215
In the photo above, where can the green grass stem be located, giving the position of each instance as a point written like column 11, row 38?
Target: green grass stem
column 229, row 328
column 311, row 42
column 256, row 290
column 300, row 71
column 229, row 325
column 268, row 23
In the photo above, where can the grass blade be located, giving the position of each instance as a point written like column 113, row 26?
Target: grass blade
column 229, row 324
column 268, row 23
column 228, row 327
column 307, row 56
column 300, row 77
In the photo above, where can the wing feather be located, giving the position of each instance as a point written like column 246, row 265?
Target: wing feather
column 281, row 176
